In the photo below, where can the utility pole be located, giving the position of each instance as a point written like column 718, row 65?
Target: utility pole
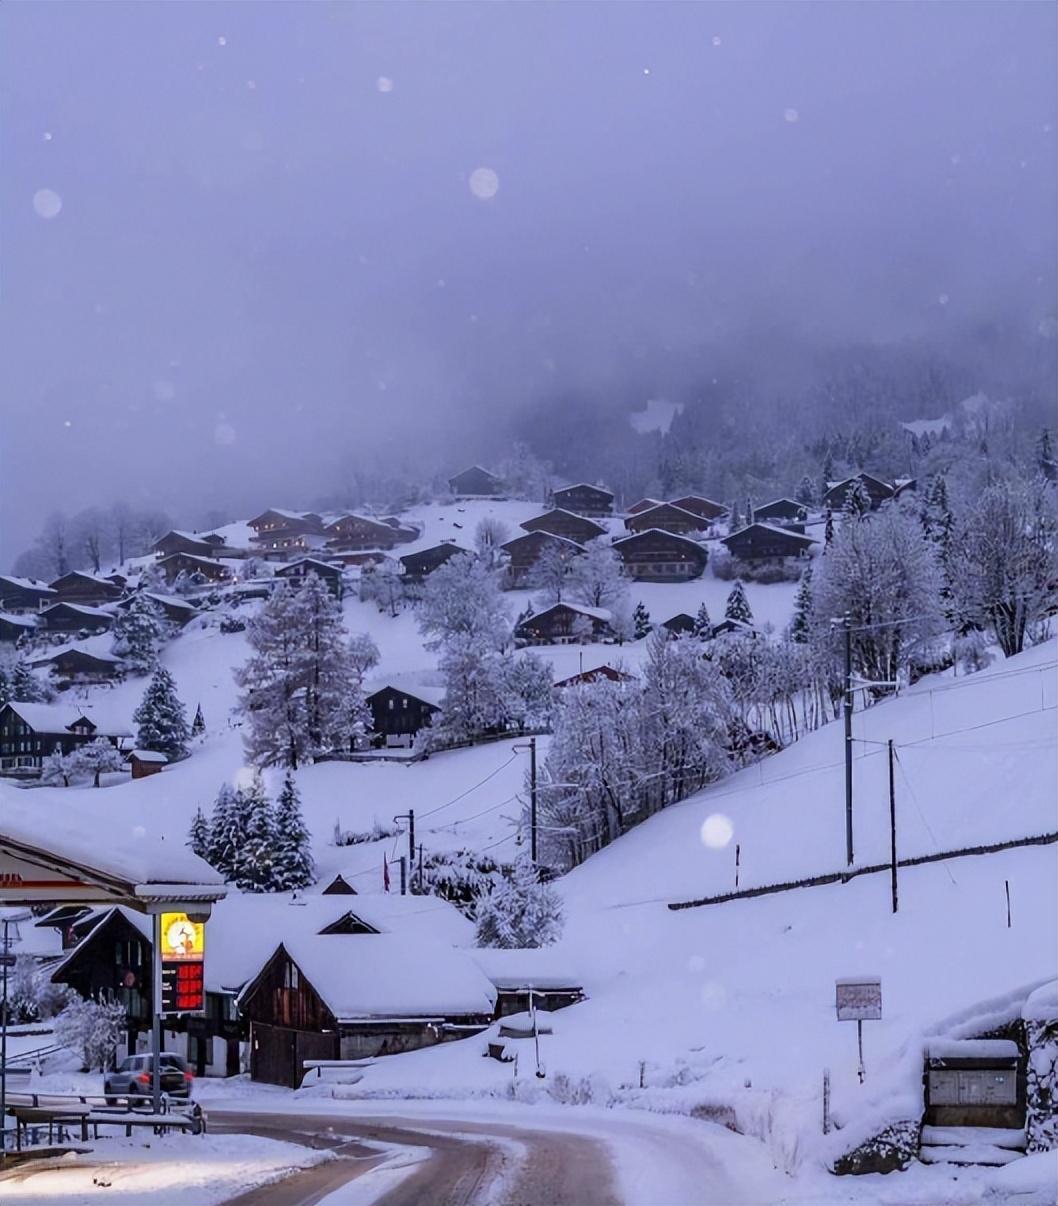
column 403, row 875
column 532, row 798
column 7, row 958
column 156, row 1015
column 892, row 820
column 847, row 624
column 408, row 816
column 419, row 877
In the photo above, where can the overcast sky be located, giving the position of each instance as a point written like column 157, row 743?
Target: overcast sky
column 242, row 243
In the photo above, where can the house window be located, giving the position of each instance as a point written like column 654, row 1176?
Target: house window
column 290, row 976
column 389, row 704
column 199, row 1049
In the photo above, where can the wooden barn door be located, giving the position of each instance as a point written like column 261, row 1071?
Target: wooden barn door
column 313, row 1045
column 272, row 1055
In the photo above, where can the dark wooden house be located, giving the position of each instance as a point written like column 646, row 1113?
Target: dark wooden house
column 336, row 996
column 187, row 563
column 523, row 552
column 657, row 556
column 667, row 517
column 596, row 674
column 64, row 920
column 144, row 763
column 29, row 732
column 782, row 512
column 175, row 541
column 584, row 499
column 516, row 973
column 564, row 523
column 762, row 543
column 564, row 624
column 75, row 617
column 398, row 713
column 475, row 482
column 80, row 665
column 418, row 566
column 15, row 625
column 877, row 489
column 644, row 504
column 680, row 624
column 277, row 531
column 175, row 609
column 295, row 572
column 24, row 595
column 704, row 508
column 85, row 589
column 352, row 532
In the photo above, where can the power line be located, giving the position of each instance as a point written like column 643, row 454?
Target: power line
column 463, row 794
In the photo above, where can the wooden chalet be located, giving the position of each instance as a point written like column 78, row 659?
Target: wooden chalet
column 85, row 589
column 14, row 625
column 187, row 563
column 667, row 517
column 295, row 572
column 783, row 513
column 763, row 544
column 175, row 541
column 277, row 531
column 584, row 499
column 514, row 973
column 658, row 556
column 321, row 997
column 29, row 732
column 680, row 624
column 597, row 674
column 523, row 552
column 22, row 596
column 418, row 566
column 75, row 617
column 399, row 712
column 80, row 665
column 352, row 532
column 564, row 523
column 877, row 489
column 64, row 920
column 704, row 508
column 175, row 609
column 564, row 624
column 363, row 557
column 644, row 504
column 144, row 763
column 475, row 482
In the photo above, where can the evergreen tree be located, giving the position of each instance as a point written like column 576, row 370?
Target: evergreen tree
column 641, row 621
column 137, row 633
column 737, row 607
column 703, row 625
column 735, row 521
column 799, row 625
column 19, row 683
column 521, row 911
column 255, row 867
column 161, row 718
column 935, row 513
column 826, row 475
column 198, row 725
column 828, row 530
column 198, row 835
column 805, row 493
column 857, row 501
column 225, row 831
column 1045, row 453
column 294, row 866
column 335, row 713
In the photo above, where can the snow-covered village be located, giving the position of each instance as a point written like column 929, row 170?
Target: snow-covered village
column 529, row 605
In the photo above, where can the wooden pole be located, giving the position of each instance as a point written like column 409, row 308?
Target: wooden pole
column 738, row 858
column 892, row 821
column 848, row 739
column 1006, row 885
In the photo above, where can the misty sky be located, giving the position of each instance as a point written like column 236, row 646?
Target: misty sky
column 269, row 258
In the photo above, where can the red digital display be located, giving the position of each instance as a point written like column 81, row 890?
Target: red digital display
column 183, row 987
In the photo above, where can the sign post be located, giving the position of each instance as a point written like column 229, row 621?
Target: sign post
column 179, row 980
column 859, row 999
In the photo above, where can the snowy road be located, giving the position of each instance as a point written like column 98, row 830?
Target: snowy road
column 567, row 1158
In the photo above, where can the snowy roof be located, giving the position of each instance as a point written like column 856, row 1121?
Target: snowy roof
column 391, row 976
column 1042, row 1005
column 562, row 511
column 27, row 584
column 972, row 1049
column 55, row 654
column 536, row 967
column 136, row 856
column 542, row 534
column 56, row 718
column 770, row 527
column 315, row 562
column 410, row 684
column 22, row 621
column 170, row 600
column 94, row 920
column 659, row 532
column 671, row 506
column 97, row 578
column 81, row 609
column 776, row 501
column 594, row 613
column 148, row 756
column 583, row 486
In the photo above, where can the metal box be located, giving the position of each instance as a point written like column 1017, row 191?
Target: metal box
column 974, row 1083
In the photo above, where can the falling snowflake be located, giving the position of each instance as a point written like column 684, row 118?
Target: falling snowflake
column 222, row 40
column 791, row 116
column 224, row 434
column 717, row 831
column 384, row 83
column 47, row 203
column 716, row 39
column 484, row 183
column 943, row 299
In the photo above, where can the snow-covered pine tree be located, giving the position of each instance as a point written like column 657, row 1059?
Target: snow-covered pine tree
column 198, row 834
column 294, row 866
column 521, row 911
column 936, row 514
column 474, row 700
column 641, row 621
column 1045, row 453
column 198, row 725
column 138, row 630
column 225, row 831
column 335, row 713
column 737, row 606
column 857, row 501
column 18, row 682
column 828, row 530
column 161, row 718
column 96, row 758
column 800, row 624
column 255, row 862
column 805, row 493
column 703, row 625
column 734, row 522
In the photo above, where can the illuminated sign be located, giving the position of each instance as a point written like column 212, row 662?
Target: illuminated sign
column 183, row 959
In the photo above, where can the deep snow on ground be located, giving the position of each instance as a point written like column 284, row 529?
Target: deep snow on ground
column 171, row 1170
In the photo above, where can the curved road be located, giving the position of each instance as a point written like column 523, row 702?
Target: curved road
column 459, row 1163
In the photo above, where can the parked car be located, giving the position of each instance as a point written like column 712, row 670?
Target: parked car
column 134, row 1078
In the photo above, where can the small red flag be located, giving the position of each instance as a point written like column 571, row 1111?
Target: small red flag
column 385, row 874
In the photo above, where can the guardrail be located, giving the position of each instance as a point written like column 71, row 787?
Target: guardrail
column 62, row 1112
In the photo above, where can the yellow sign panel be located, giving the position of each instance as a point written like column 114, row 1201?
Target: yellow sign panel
column 183, row 940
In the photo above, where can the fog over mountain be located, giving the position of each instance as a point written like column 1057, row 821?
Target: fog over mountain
column 247, row 248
